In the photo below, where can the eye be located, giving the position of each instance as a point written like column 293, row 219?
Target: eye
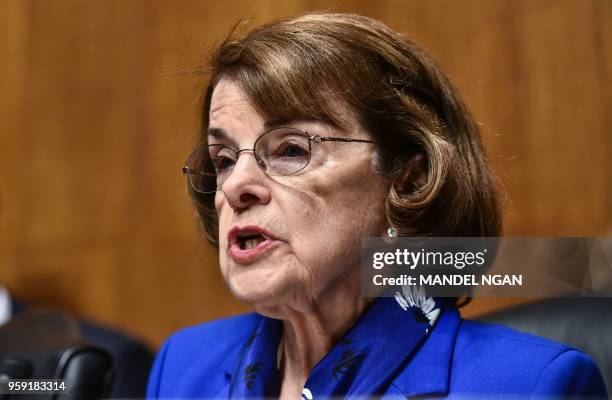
column 222, row 157
column 291, row 150
column 222, row 163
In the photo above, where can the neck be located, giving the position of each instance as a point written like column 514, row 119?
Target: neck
column 309, row 333
column 307, row 338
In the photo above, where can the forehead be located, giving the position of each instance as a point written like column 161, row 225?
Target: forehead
column 232, row 114
column 230, row 105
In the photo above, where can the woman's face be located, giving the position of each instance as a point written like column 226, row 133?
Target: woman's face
column 287, row 241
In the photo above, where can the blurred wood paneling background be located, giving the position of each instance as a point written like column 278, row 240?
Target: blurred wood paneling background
column 94, row 127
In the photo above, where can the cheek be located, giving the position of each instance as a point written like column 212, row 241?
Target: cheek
column 219, row 200
column 223, row 216
column 352, row 202
column 224, row 219
column 332, row 214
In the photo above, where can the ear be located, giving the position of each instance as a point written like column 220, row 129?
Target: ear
column 415, row 175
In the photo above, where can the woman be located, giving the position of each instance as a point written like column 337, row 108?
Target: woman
column 319, row 131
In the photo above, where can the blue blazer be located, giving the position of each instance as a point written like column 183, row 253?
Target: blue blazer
column 459, row 359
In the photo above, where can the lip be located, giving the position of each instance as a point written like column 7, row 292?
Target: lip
column 247, row 256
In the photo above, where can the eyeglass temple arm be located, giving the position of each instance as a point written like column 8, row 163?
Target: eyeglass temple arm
column 186, row 171
column 320, row 139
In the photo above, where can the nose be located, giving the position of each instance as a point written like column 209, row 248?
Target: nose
column 247, row 184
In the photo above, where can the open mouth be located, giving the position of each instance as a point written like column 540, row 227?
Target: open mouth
column 249, row 241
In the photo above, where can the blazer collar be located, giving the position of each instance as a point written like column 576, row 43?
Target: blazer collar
column 428, row 372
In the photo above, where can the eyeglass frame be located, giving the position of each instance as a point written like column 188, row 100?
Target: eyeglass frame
column 311, row 138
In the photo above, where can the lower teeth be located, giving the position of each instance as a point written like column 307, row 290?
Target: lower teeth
column 251, row 244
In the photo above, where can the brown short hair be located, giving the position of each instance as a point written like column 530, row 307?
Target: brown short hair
column 299, row 68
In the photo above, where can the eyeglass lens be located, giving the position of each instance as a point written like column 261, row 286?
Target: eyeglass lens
column 278, row 152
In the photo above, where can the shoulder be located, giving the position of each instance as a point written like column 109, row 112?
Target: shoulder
column 222, row 330
column 497, row 338
column 507, row 361
column 197, row 355
column 207, row 343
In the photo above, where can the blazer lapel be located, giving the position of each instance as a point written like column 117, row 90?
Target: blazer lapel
column 428, row 372
column 232, row 359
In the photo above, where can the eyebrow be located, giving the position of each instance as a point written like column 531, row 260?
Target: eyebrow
column 221, row 134
column 217, row 133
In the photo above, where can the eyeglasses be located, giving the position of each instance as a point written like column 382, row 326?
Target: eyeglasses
column 278, row 152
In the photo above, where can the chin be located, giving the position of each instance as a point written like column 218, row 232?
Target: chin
column 264, row 289
column 253, row 284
